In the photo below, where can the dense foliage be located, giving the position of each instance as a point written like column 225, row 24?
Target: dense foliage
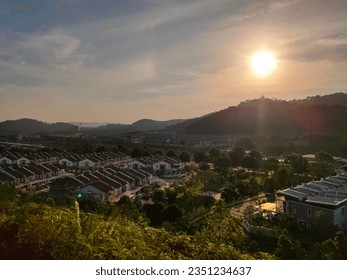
column 34, row 227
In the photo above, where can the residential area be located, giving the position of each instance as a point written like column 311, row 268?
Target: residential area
column 104, row 176
column 268, row 199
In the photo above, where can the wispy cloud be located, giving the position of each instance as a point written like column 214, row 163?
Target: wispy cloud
column 54, row 47
column 125, row 60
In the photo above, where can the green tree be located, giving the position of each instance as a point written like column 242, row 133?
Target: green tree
column 245, row 143
column 214, row 155
column 122, row 149
column 100, row 149
column 323, row 167
column 298, row 163
column 172, row 213
column 184, row 156
column 8, row 193
column 136, row 153
column 324, row 157
column 288, row 248
column 222, row 165
column 236, row 155
column 249, row 162
column 171, row 154
column 283, row 177
column 222, row 237
column 158, row 152
column 326, row 250
column 203, row 166
column 199, row 157
column 257, row 157
column 269, row 164
column 230, row 193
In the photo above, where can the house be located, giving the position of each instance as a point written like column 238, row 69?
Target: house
column 161, row 167
column 137, row 163
column 98, row 190
column 7, row 160
column 5, row 178
column 65, row 185
column 44, row 170
column 158, row 164
column 23, row 160
column 83, row 179
column 86, row 164
column 29, row 175
column 16, row 176
column 318, row 202
column 90, row 176
column 67, row 162
column 120, row 174
column 113, row 183
column 141, row 177
column 32, row 167
column 125, row 185
column 56, row 168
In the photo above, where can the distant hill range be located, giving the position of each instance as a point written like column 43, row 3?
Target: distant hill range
column 313, row 115
column 140, row 125
column 89, row 124
column 30, row 126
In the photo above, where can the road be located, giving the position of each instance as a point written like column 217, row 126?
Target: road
column 237, row 210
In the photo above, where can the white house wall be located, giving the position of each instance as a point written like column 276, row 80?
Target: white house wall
column 86, row 163
column 340, row 216
column 66, row 162
column 157, row 165
column 100, row 195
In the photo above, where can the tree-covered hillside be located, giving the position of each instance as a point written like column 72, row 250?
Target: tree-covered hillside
column 311, row 116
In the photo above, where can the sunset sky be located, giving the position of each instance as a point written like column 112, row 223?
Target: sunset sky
column 123, row 60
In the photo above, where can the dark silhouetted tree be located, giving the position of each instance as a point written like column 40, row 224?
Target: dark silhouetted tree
column 136, row 153
column 199, row 157
column 184, row 156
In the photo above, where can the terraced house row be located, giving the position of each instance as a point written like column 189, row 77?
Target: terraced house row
column 31, row 175
column 28, row 169
column 160, row 165
column 68, row 159
column 104, row 176
column 105, row 184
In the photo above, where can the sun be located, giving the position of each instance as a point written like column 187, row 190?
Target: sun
column 263, row 63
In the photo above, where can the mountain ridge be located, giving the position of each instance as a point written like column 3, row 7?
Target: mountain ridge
column 312, row 115
column 31, row 126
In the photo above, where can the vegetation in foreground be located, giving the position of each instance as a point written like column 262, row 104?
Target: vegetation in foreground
column 33, row 227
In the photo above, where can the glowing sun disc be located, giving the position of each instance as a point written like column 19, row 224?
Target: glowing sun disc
column 263, row 63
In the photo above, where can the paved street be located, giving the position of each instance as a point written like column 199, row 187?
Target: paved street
column 238, row 210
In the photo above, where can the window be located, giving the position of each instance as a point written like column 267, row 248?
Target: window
column 294, row 209
column 308, row 213
column 318, row 213
column 302, row 224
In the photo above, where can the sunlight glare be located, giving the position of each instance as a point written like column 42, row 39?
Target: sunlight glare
column 263, row 63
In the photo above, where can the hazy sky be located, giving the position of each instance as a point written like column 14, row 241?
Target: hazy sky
column 123, row 60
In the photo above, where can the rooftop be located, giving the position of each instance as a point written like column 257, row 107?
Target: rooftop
column 329, row 191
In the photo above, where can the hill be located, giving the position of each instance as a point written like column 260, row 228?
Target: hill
column 140, row 125
column 30, row 126
column 313, row 115
column 89, row 124
column 338, row 98
column 147, row 124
